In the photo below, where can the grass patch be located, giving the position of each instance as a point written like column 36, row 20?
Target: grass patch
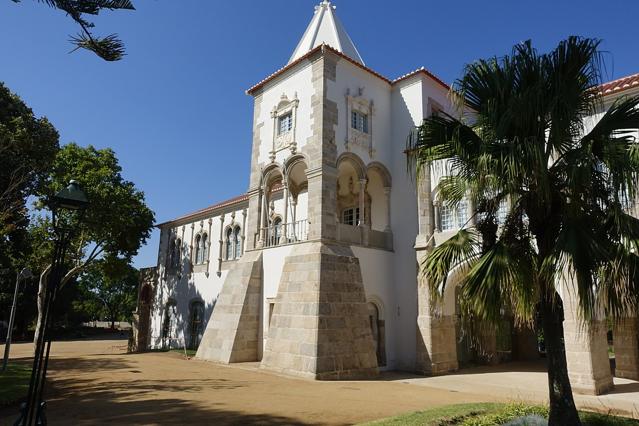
column 490, row 414
column 14, row 383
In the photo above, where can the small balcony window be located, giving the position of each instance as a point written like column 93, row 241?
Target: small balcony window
column 350, row 216
column 359, row 121
column 285, row 123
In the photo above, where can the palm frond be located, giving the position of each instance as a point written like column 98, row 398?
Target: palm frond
column 109, row 48
column 459, row 251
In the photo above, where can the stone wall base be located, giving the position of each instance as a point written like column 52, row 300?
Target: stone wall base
column 626, row 343
column 587, row 356
column 436, row 345
column 320, row 327
column 231, row 334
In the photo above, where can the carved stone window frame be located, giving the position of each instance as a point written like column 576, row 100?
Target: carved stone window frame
column 233, row 246
column 285, row 140
column 354, row 137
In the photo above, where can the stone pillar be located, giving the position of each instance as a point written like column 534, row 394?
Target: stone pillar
column 626, row 343
column 321, row 150
column 254, row 211
column 387, row 194
column 362, row 202
column 285, row 219
column 586, row 346
column 232, row 333
column 436, row 332
column 320, row 327
column 220, row 255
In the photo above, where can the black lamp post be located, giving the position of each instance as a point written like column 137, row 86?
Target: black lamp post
column 66, row 205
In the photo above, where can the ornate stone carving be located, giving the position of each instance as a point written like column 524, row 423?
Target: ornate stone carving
column 356, row 139
column 284, row 140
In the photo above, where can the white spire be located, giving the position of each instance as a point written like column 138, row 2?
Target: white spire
column 326, row 28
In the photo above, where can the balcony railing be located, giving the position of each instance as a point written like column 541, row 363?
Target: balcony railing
column 284, row 233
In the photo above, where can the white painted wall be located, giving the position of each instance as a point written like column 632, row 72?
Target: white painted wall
column 188, row 287
column 296, row 81
column 377, row 274
column 350, row 77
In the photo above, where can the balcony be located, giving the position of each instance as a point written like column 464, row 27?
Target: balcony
column 364, row 236
column 281, row 234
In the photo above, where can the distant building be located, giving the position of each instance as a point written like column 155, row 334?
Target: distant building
column 314, row 271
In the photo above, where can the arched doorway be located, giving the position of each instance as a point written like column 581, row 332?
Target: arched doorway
column 197, row 324
column 377, row 330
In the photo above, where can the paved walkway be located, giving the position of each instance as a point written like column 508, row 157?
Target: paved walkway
column 529, row 382
column 96, row 382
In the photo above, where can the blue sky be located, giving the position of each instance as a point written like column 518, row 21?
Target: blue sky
column 175, row 111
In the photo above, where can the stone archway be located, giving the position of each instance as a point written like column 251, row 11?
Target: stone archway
column 378, row 330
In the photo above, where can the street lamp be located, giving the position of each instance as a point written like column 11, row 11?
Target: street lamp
column 69, row 202
column 26, row 274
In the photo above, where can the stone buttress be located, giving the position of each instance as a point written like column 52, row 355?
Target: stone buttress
column 320, row 327
column 232, row 333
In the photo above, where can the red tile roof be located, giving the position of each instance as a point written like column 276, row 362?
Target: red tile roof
column 354, row 62
column 619, row 85
column 227, row 203
column 211, row 209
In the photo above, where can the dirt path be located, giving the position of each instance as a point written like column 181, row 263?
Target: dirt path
column 96, row 382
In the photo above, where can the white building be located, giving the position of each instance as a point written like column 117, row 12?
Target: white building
column 314, row 271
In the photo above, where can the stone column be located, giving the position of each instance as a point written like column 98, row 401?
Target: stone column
column 387, row 194
column 626, row 343
column 221, row 251
column 285, row 219
column 586, row 346
column 263, row 217
column 436, row 332
column 321, row 150
column 362, row 202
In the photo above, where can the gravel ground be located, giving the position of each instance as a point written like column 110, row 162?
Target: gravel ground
column 95, row 382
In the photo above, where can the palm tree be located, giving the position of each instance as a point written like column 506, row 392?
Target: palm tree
column 568, row 187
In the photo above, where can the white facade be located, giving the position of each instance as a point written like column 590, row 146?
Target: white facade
column 373, row 117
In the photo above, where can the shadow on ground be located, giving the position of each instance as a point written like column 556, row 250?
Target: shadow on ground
column 75, row 400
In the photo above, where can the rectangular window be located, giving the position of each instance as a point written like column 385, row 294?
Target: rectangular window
column 359, row 121
column 446, row 215
column 462, row 213
column 351, row 216
column 502, row 212
column 285, row 123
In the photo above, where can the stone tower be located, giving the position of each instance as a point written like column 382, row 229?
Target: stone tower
column 317, row 326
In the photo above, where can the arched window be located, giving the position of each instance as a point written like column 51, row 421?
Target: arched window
column 170, row 255
column 277, row 231
column 177, row 252
column 229, row 244
column 197, row 325
column 238, row 242
column 205, row 247
column 198, row 249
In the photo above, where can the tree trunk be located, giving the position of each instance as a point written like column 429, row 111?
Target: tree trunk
column 562, row 405
column 42, row 291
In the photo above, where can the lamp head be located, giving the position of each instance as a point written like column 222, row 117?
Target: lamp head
column 70, row 198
